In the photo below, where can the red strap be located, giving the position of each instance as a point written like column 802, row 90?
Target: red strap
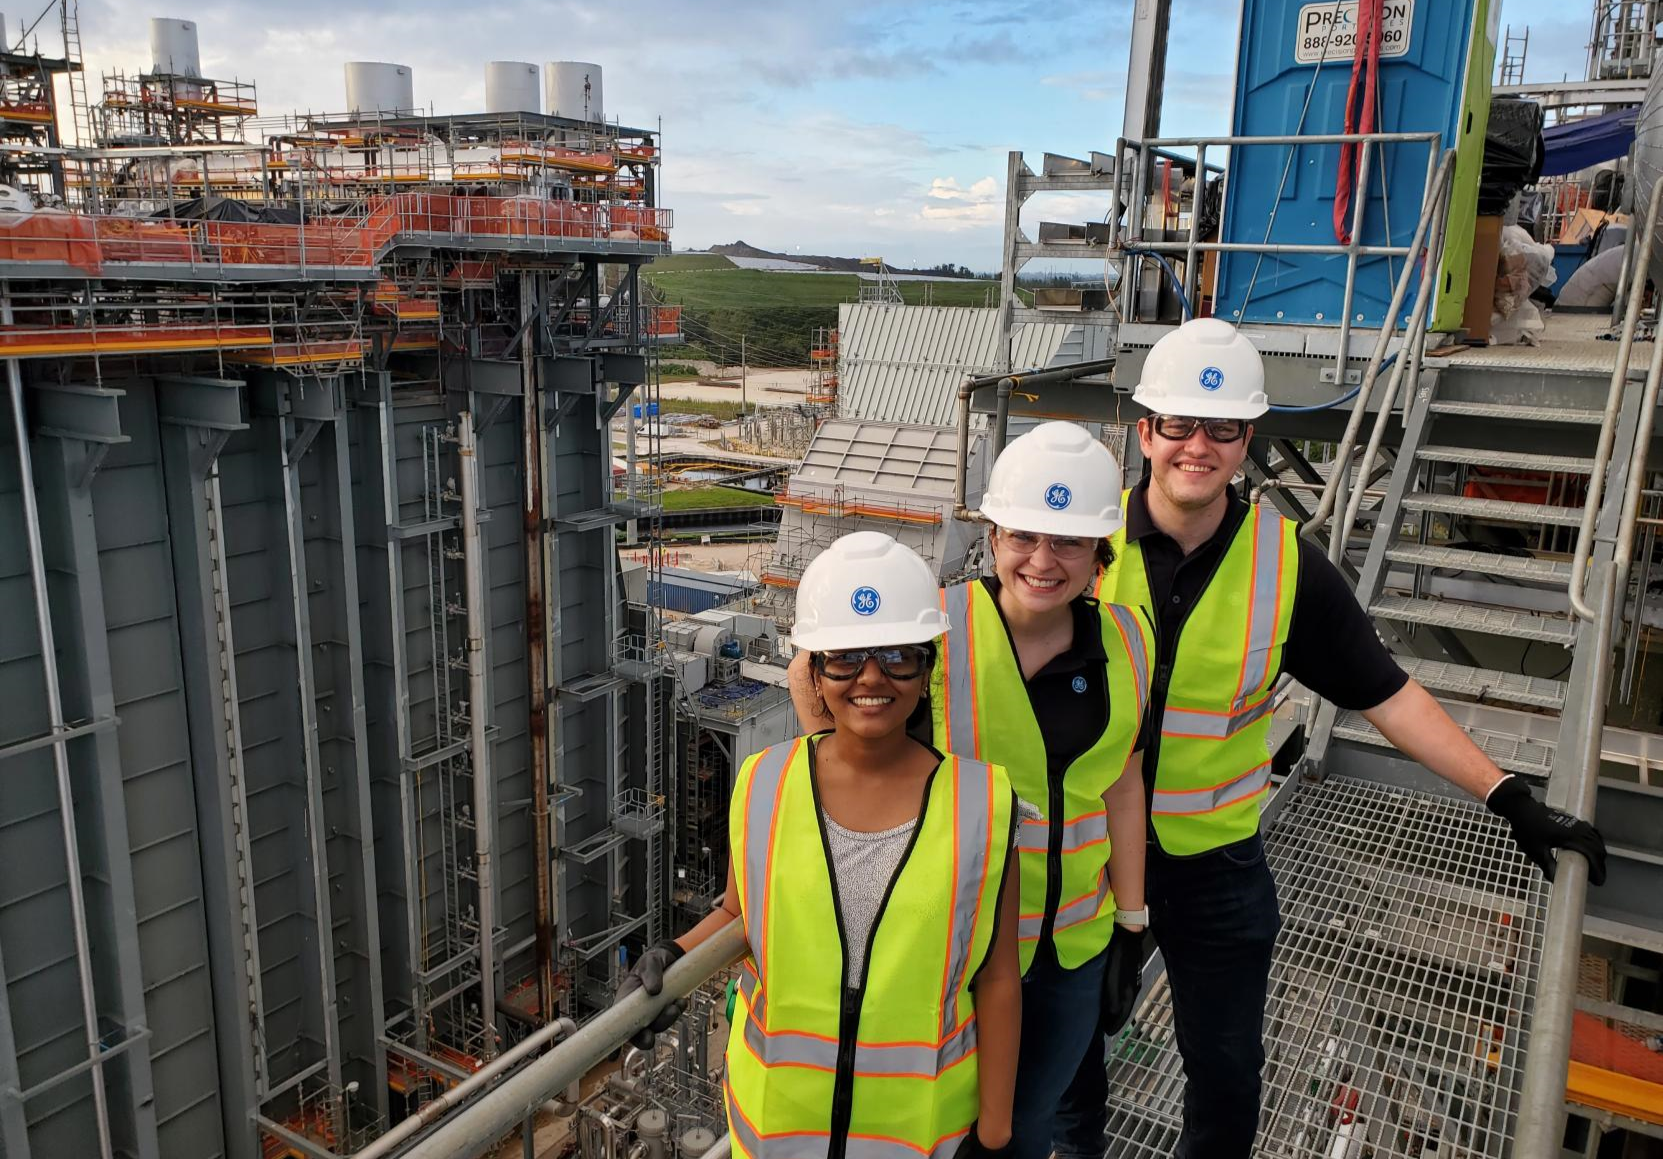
column 1366, row 56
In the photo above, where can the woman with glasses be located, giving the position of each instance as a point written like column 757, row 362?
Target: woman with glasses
column 880, row 1005
column 1037, row 676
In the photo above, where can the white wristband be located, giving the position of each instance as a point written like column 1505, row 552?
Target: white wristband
column 1132, row 917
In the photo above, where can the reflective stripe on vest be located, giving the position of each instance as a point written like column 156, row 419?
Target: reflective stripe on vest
column 1213, row 769
column 912, row 1070
column 982, row 709
column 748, row 1141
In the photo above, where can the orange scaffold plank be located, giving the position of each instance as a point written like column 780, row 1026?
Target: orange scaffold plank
column 42, row 342
column 1607, row 1090
column 345, row 350
column 776, row 580
column 837, row 506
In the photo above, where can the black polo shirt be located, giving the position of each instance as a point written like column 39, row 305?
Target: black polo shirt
column 1332, row 647
column 1069, row 697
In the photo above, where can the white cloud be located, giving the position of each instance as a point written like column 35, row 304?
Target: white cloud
column 742, row 208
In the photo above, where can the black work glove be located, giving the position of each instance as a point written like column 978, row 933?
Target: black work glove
column 648, row 974
column 972, row 1147
column 1540, row 831
column 1122, row 977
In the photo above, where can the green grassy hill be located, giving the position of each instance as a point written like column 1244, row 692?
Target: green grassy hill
column 777, row 313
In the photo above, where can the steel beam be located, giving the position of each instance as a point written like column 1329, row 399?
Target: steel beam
column 350, row 820
column 208, row 663
column 96, row 814
column 14, row 1124
column 311, row 845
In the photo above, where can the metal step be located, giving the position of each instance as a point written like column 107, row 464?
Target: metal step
column 1478, row 457
column 1507, row 412
column 1486, row 684
column 1498, row 510
column 1514, row 754
column 1521, row 567
column 1474, row 618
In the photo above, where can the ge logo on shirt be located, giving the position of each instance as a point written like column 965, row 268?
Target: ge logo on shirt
column 1058, row 496
column 1079, row 684
column 865, row 601
column 1212, row 378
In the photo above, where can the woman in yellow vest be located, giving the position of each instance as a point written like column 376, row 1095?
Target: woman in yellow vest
column 880, row 1005
column 1037, row 676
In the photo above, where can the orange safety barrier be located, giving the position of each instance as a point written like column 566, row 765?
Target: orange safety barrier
column 69, row 341
column 839, row 507
column 1614, row 1072
column 664, row 320
column 86, row 242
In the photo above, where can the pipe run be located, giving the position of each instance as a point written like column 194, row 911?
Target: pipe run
column 501, row 1111
column 60, row 754
column 1005, row 385
column 462, row 1092
column 473, row 565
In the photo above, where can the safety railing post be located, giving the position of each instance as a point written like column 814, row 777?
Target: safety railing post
column 1613, row 404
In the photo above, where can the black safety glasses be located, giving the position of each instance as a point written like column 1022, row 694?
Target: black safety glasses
column 907, row 662
column 1181, row 427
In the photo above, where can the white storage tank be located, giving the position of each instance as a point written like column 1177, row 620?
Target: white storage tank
column 173, row 48
column 572, row 89
column 373, row 86
column 511, row 87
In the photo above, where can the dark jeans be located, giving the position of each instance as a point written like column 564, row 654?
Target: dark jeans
column 1215, row 919
column 1058, row 1023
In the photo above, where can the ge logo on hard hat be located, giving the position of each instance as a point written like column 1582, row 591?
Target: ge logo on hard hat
column 1057, row 497
column 865, row 601
column 1212, row 378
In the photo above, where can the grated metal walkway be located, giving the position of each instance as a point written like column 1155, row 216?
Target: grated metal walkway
column 1397, row 1023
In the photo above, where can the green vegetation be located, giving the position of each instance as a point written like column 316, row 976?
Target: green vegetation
column 692, row 262
column 701, row 498
column 704, row 288
column 722, row 409
column 677, row 371
column 777, row 313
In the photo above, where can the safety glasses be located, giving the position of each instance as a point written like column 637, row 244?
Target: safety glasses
column 1181, row 427
column 1067, row 548
column 907, row 662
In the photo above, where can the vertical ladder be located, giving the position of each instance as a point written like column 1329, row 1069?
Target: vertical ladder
column 79, row 107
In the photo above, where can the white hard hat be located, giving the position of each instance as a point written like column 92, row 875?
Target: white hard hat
column 867, row 591
column 1055, row 480
column 1206, row 369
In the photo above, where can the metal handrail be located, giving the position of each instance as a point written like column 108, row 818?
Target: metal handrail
column 1613, row 404
column 1406, row 369
column 470, row 1131
column 1348, row 441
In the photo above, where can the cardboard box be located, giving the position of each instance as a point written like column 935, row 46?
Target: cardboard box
column 1481, row 286
column 1580, row 226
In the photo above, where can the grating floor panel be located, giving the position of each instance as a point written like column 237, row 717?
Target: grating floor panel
column 1519, row 414
column 1524, row 461
column 1477, row 618
column 1396, row 1024
column 1499, row 510
column 1490, row 563
column 1486, row 684
column 1516, row 754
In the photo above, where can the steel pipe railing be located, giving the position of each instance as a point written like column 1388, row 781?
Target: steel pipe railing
column 1613, row 404
column 1348, row 441
column 468, row 1132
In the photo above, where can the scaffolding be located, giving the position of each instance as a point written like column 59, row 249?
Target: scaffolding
column 822, row 360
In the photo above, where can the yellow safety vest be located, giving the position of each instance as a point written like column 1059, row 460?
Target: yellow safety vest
column 981, row 708
column 886, row 1069
column 1213, row 768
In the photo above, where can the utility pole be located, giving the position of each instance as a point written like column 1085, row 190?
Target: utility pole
column 744, row 376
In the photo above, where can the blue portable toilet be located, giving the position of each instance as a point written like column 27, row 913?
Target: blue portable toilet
column 1435, row 63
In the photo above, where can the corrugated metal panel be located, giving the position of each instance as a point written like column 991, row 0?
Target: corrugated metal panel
column 905, row 363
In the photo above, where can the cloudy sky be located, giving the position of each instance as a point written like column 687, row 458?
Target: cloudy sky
column 859, row 127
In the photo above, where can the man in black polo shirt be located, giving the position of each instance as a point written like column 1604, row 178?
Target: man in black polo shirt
column 1237, row 598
